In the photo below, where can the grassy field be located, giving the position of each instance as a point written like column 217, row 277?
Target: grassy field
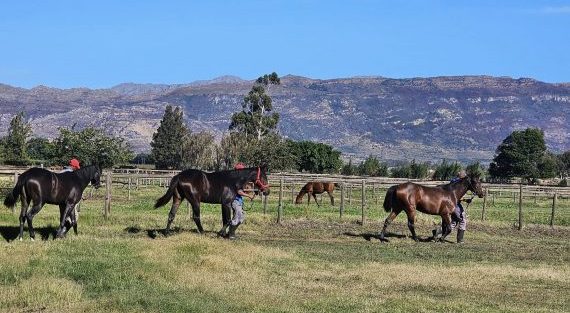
column 313, row 262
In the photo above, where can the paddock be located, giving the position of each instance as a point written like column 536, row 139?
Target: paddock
column 302, row 259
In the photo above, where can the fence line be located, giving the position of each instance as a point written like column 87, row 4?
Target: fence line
column 371, row 191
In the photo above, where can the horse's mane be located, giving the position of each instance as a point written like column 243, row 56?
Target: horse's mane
column 449, row 185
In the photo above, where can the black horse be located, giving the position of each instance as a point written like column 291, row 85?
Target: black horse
column 217, row 187
column 38, row 186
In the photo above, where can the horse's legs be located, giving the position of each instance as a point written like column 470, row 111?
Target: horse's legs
column 63, row 218
column 74, row 215
column 196, row 215
column 176, row 199
column 316, row 201
column 226, row 218
column 23, row 211
column 411, row 220
column 30, row 216
column 332, row 198
column 387, row 222
column 446, row 226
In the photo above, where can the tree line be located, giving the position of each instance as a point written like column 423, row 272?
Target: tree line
column 90, row 145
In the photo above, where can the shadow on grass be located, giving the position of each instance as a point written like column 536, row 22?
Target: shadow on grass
column 10, row 233
column 369, row 236
column 155, row 232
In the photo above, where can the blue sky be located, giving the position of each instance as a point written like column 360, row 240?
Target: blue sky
column 99, row 44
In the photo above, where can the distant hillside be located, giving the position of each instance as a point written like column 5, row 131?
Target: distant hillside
column 460, row 117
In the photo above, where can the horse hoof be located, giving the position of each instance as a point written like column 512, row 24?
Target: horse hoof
column 20, row 238
column 32, row 239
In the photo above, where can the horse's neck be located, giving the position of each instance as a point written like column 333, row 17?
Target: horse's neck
column 459, row 190
column 84, row 178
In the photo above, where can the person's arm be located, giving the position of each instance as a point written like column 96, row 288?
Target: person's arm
column 244, row 194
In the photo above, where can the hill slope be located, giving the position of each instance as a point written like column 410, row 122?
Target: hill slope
column 460, row 117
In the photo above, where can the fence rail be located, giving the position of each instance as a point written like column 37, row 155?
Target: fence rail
column 361, row 192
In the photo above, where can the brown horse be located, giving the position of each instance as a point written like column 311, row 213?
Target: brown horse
column 316, row 188
column 440, row 200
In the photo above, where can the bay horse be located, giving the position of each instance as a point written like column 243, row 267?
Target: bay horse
column 38, row 186
column 217, row 188
column 439, row 200
column 316, row 188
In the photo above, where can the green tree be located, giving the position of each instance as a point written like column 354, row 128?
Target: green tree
column 40, row 149
column 15, row 143
column 446, row 170
column 316, row 157
column 419, row 170
column 256, row 118
column 519, row 155
column 372, row 167
column 167, row 142
column 273, row 151
column 475, row 169
column 564, row 164
column 199, row 151
column 411, row 170
column 232, row 149
column 401, row 171
column 549, row 165
column 349, row 169
column 90, row 146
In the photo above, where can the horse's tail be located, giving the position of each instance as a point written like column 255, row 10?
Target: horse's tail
column 12, row 197
column 168, row 195
column 389, row 199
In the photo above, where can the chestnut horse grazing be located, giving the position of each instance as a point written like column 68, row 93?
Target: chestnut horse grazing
column 316, row 188
column 440, row 200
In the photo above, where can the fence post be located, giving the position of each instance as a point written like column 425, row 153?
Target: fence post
column 484, row 204
column 363, row 202
column 520, row 206
column 108, row 183
column 374, row 193
column 129, row 190
column 292, row 192
column 264, row 200
column 493, row 199
column 15, row 182
column 342, row 185
column 349, row 194
column 553, row 209
column 280, row 208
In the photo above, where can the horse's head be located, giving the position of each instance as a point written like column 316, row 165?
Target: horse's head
column 299, row 198
column 95, row 178
column 261, row 179
column 474, row 184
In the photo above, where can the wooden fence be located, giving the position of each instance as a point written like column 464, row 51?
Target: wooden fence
column 370, row 190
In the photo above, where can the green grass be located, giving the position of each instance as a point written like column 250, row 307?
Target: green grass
column 313, row 262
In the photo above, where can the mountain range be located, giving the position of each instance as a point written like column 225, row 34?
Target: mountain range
column 428, row 119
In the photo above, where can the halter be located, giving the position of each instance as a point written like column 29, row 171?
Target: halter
column 258, row 182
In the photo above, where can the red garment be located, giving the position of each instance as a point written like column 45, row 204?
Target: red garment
column 74, row 163
column 239, row 166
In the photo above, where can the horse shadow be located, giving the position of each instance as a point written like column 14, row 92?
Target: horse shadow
column 370, row 236
column 153, row 233
column 10, row 233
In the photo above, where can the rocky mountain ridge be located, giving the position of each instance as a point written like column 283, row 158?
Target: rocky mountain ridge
column 454, row 117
